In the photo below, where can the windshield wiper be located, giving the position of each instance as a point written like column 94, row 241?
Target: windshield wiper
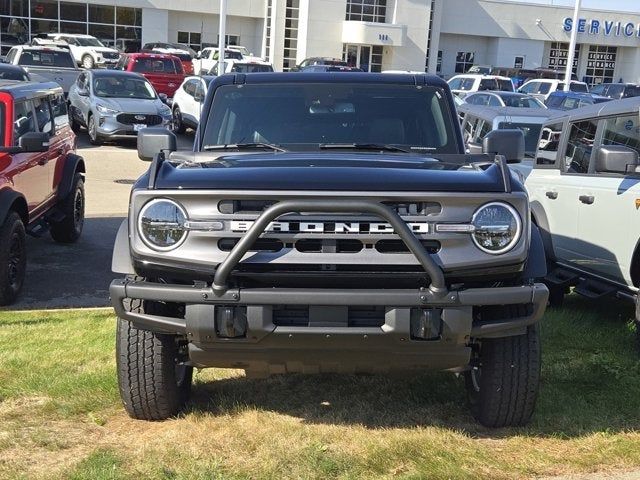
column 364, row 146
column 241, row 146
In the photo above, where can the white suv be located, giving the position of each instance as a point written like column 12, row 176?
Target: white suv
column 543, row 87
column 461, row 85
column 187, row 102
column 88, row 51
column 585, row 197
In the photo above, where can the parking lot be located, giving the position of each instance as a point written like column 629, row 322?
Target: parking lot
column 78, row 275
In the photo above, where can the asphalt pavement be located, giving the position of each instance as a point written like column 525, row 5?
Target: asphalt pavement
column 78, row 275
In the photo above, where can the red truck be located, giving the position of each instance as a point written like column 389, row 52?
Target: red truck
column 165, row 72
column 41, row 176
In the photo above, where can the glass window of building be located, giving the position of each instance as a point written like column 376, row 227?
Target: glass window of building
column 367, row 10
column 601, row 64
column 291, row 35
column 73, row 12
column 558, row 55
column 464, row 61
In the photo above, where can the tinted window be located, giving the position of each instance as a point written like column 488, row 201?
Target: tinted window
column 531, row 133
column 59, row 108
column 122, row 87
column 622, row 130
column 312, row 114
column 521, row 102
column 43, row 115
column 466, row 84
column 154, row 65
column 46, row 58
column 598, row 90
column 251, row 68
column 579, row 146
column 454, row 84
column 505, row 85
column 494, row 102
column 544, row 88
column 23, row 120
column 488, row 84
column 548, row 144
column 631, row 91
column 476, row 99
column 554, row 101
column 530, row 87
column 8, row 73
column 578, row 87
column 190, row 87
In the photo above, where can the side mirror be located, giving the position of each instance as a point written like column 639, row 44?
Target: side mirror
column 163, row 98
column 509, row 143
column 152, row 140
column 616, row 159
column 34, row 142
column 83, row 92
column 198, row 55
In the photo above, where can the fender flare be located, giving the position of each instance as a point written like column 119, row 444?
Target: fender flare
column 536, row 265
column 121, row 259
column 539, row 219
column 73, row 164
column 8, row 199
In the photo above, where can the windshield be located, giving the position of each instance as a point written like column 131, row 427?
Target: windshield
column 12, row 74
column 531, row 133
column 123, row 87
column 308, row 116
column 88, row 42
column 251, row 68
column 46, row 58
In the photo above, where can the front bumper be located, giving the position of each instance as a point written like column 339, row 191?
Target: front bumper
column 109, row 126
column 331, row 346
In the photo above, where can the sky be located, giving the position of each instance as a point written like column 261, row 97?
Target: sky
column 620, row 5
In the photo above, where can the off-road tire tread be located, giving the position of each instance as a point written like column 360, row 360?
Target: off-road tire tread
column 146, row 371
column 64, row 230
column 11, row 223
column 509, row 381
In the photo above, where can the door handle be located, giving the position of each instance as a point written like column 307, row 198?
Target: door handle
column 43, row 161
column 552, row 195
column 587, row 199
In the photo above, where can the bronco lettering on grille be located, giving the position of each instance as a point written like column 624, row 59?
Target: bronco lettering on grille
column 328, row 227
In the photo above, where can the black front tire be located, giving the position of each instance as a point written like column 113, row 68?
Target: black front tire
column 92, row 129
column 13, row 258
column 178, row 121
column 75, row 126
column 69, row 229
column 504, row 380
column 153, row 386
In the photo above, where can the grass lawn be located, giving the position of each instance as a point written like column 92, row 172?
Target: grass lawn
column 60, row 413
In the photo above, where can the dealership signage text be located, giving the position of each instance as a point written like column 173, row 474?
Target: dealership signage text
column 606, row 27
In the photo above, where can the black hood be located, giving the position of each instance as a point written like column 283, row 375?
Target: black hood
column 329, row 171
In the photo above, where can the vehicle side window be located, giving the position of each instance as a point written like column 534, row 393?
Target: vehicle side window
column 547, row 152
column 577, row 156
column 199, row 89
column 493, row 101
column 570, row 103
column 474, row 99
column 190, row 87
column 487, row 84
column 59, row 108
column 530, row 87
column 467, row 84
column 598, row 90
column 216, row 55
column 43, row 115
column 631, row 91
column 554, row 101
column 453, row 84
column 11, row 55
column 23, row 120
column 81, row 82
column 623, row 130
column 545, row 88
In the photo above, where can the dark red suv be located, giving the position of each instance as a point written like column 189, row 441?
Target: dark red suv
column 165, row 72
column 41, row 177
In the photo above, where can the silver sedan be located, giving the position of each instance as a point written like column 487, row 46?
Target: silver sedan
column 113, row 104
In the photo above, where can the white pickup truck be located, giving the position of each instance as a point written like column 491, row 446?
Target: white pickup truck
column 584, row 190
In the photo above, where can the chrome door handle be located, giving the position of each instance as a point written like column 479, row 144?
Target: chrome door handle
column 552, row 195
column 587, row 199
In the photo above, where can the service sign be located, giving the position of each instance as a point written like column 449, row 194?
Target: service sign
column 608, row 28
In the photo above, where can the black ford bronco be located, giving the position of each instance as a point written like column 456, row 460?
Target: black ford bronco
column 329, row 223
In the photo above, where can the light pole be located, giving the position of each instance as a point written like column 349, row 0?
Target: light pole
column 572, row 46
column 222, row 35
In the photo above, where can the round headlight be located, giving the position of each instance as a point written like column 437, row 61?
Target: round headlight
column 161, row 224
column 497, row 227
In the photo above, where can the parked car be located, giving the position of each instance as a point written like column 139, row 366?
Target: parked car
column 187, row 102
column 328, row 68
column 181, row 52
column 246, row 54
column 464, row 84
column 165, row 72
column 314, row 61
column 87, row 50
column 561, row 100
column 209, row 56
column 112, row 104
column 503, row 99
column 41, row 176
column 584, row 193
column 48, row 63
column 541, row 88
column 521, row 75
column 431, row 253
column 242, row 66
column 616, row 91
column 13, row 72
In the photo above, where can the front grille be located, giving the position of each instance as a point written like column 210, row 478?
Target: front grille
column 139, row 118
column 355, row 316
column 111, row 55
column 328, row 245
column 254, row 207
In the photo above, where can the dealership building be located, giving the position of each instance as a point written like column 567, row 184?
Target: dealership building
column 440, row 36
